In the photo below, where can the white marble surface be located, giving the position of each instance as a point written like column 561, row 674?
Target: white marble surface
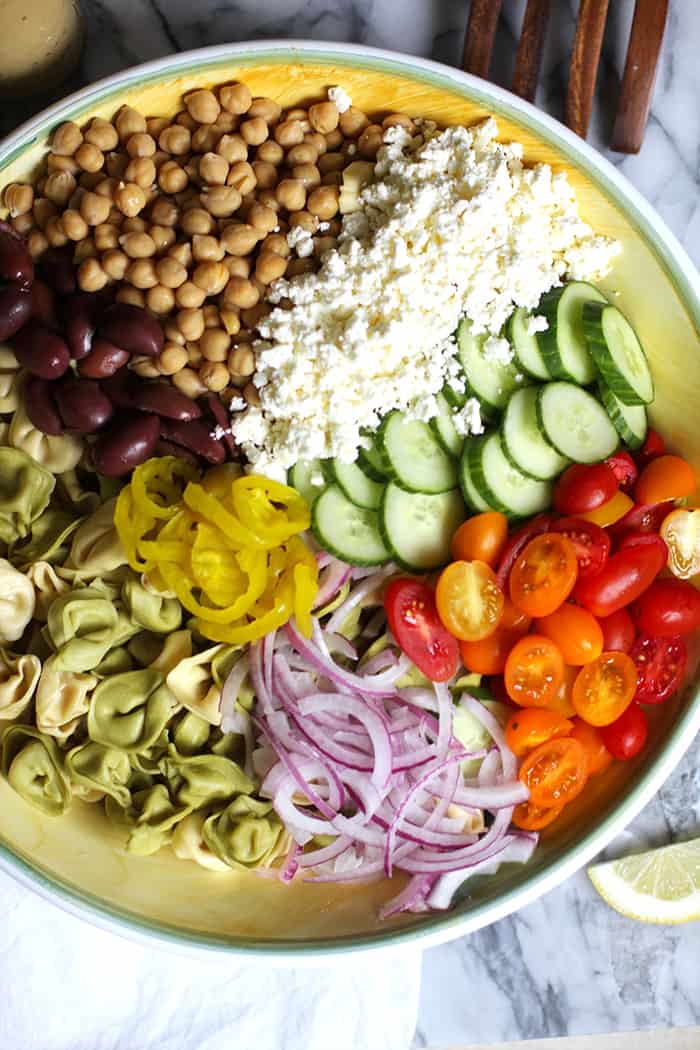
column 567, row 964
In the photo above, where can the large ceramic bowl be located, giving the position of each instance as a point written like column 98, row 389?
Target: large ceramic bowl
column 76, row 860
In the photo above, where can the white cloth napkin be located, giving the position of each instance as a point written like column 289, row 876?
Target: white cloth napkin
column 66, row 985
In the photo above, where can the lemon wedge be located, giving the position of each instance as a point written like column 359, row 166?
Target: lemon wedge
column 661, row 885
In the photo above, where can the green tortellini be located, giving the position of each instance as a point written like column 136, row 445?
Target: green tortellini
column 48, row 586
column 200, row 780
column 62, row 698
column 148, row 820
column 33, row 766
column 130, row 711
column 223, row 662
column 55, row 454
column 9, row 377
column 104, row 770
column 96, row 548
column 191, row 734
column 246, row 834
column 17, row 602
column 83, row 626
column 48, row 538
column 188, row 843
column 192, row 683
column 83, row 501
column 176, row 647
column 25, row 491
column 117, row 661
column 18, row 680
column 151, row 611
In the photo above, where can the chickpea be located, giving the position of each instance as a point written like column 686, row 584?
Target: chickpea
column 142, row 171
column 181, row 252
column 214, row 344
column 115, row 217
column 205, row 139
column 160, row 300
column 353, row 122
column 191, row 323
column 91, row 276
column 106, row 236
column 266, row 175
column 37, row 244
column 211, row 315
column 66, row 139
column 254, row 131
column 84, row 250
column 226, row 122
column 237, row 266
column 94, row 208
column 171, row 359
column 236, row 98
column 23, row 223
column 102, row 134
column 270, row 152
column 137, row 245
column 202, row 106
column 241, row 361
column 141, row 145
column 291, row 194
column 239, row 239
column 106, row 188
column 134, row 225
column 133, row 296
column 230, row 320
column 115, row 264
column 155, row 125
column 144, row 367
column 370, row 140
column 116, row 164
column 266, row 108
column 142, row 274
column 188, row 382
column 214, row 375
column 170, row 273
column 43, row 210
column 242, row 177
column 241, row 292
column 164, row 212
column 163, row 237
column 175, row 139
column 186, row 121
column 54, row 232
column 277, row 243
column 269, row 267
column 305, row 219
column 251, row 394
column 323, row 117
column 59, row 187
column 171, row 177
column 213, row 169
column 334, row 139
column 308, row 175
column 317, row 141
column 74, row 225
column 399, row 120
column 331, row 162
column 262, row 218
column 57, row 162
column 232, row 148
column 196, row 220
column 89, row 157
column 221, row 201
column 19, row 198
column 130, row 199
column 128, row 122
column 211, row 277
column 289, row 133
column 205, row 248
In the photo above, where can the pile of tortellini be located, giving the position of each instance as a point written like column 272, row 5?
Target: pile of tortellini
column 105, row 694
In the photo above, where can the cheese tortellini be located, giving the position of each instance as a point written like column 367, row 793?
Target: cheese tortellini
column 62, row 698
column 193, row 684
column 19, row 675
column 17, row 602
column 9, row 381
column 56, row 454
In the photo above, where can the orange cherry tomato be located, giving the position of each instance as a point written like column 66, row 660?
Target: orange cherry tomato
column 469, row 600
column 544, row 574
column 527, row 729
column 561, row 703
column 555, row 772
column 576, row 631
column 488, row 656
column 610, row 511
column 533, row 818
column 534, row 671
column 599, row 758
column 605, row 688
column 481, row 538
column 513, row 618
column 667, row 477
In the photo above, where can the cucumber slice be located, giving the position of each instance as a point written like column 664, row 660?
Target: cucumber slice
column 523, row 442
column 617, row 352
column 564, row 347
column 472, row 497
column 355, row 484
column 417, row 527
column 372, row 462
column 490, row 381
column 417, row 462
column 308, row 478
column 501, row 484
column 575, row 423
column 630, row 421
column 525, row 346
column 455, row 398
column 350, row 533
column 444, row 429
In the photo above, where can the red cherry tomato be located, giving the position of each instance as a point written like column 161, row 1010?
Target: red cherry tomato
column 619, row 631
column 670, row 607
column 653, row 446
column 623, row 578
column 649, row 541
column 641, row 518
column 516, row 543
column 414, row 622
column 624, row 468
column 582, row 488
column 591, row 543
column 626, row 736
column 660, row 664
column 665, row 478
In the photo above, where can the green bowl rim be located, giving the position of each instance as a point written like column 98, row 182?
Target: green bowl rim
column 439, row 926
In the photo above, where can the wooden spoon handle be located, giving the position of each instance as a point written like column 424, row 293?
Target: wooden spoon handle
column 480, row 36
column 584, row 64
column 529, row 56
column 640, row 73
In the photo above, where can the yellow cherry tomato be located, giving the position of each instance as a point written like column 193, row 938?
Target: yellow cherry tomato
column 469, row 600
column 610, row 511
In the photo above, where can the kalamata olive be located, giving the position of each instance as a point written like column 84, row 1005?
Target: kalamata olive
column 44, row 304
column 57, row 270
column 196, row 436
column 41, row 352
column 15, row 261
column 103, row 360
column 132, row 328
column 125, row 444
column 15, row 310
column 40, row 407
column 222, row 419
column 169, row 448
column 79, row 321
column 166, row 401
column 82, row 405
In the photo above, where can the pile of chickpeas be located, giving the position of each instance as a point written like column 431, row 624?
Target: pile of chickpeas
column 188, row 217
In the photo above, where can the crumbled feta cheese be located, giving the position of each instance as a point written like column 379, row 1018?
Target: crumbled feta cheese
column 317, row 478
column 237, row 404
column 454, row 224
column 218, row 432
column 467, row 420
column 536, row 323
column 301, row 241
column 498, row 350
column 340, row 97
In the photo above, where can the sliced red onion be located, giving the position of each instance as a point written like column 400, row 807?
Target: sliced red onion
column 517, row 850
column 414, row 897
column 325, row 853
column 369, row 584
column 335, row 574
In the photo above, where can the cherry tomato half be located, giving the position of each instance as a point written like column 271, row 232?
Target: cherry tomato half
column 489, row 655
column 653, row 446
column 527, row 729
column 660, row 664
column 529, row 817
column 627, row 735
column 641, row 518
column 415, row 624
column 669, row 607
column 469, row 601
column 604, row 688
column 561, row 703
column 517, row 542
column 591, row 543
column 480, row 538
column 575, row 631
column 534, row 671
column 591, row 739
column 544, row 574
column 681, row 533
column 623, row 578
column 624, row 468
column 611, row 511
column 555, row 772
column 665, row 478
column 581, row 488
column 619, row 631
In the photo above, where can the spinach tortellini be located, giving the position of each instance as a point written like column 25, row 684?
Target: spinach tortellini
column 19, row 675
column 25, row 491
column 96, row 549
column 62, row 698
column 33, row 765
column 83, row 625
column 17, row 602
column 151, row 611
column 48, row 538
column 130, row 711
column 104, row 770
column 200, row 780
column 247, row 834
column 148, row 820
column 190, row 734
column 56, row 454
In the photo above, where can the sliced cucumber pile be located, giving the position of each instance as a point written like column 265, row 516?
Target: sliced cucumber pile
column 575, row 423
column 489, row 380
column 417, row 527
column 349, row 532
column 417, row 462
column 523, row 442
column 617, row 352
column 502, row 486
column 564, row 346
column 525, row 346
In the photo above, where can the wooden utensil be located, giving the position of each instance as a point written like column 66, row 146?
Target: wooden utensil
column 640, row 73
